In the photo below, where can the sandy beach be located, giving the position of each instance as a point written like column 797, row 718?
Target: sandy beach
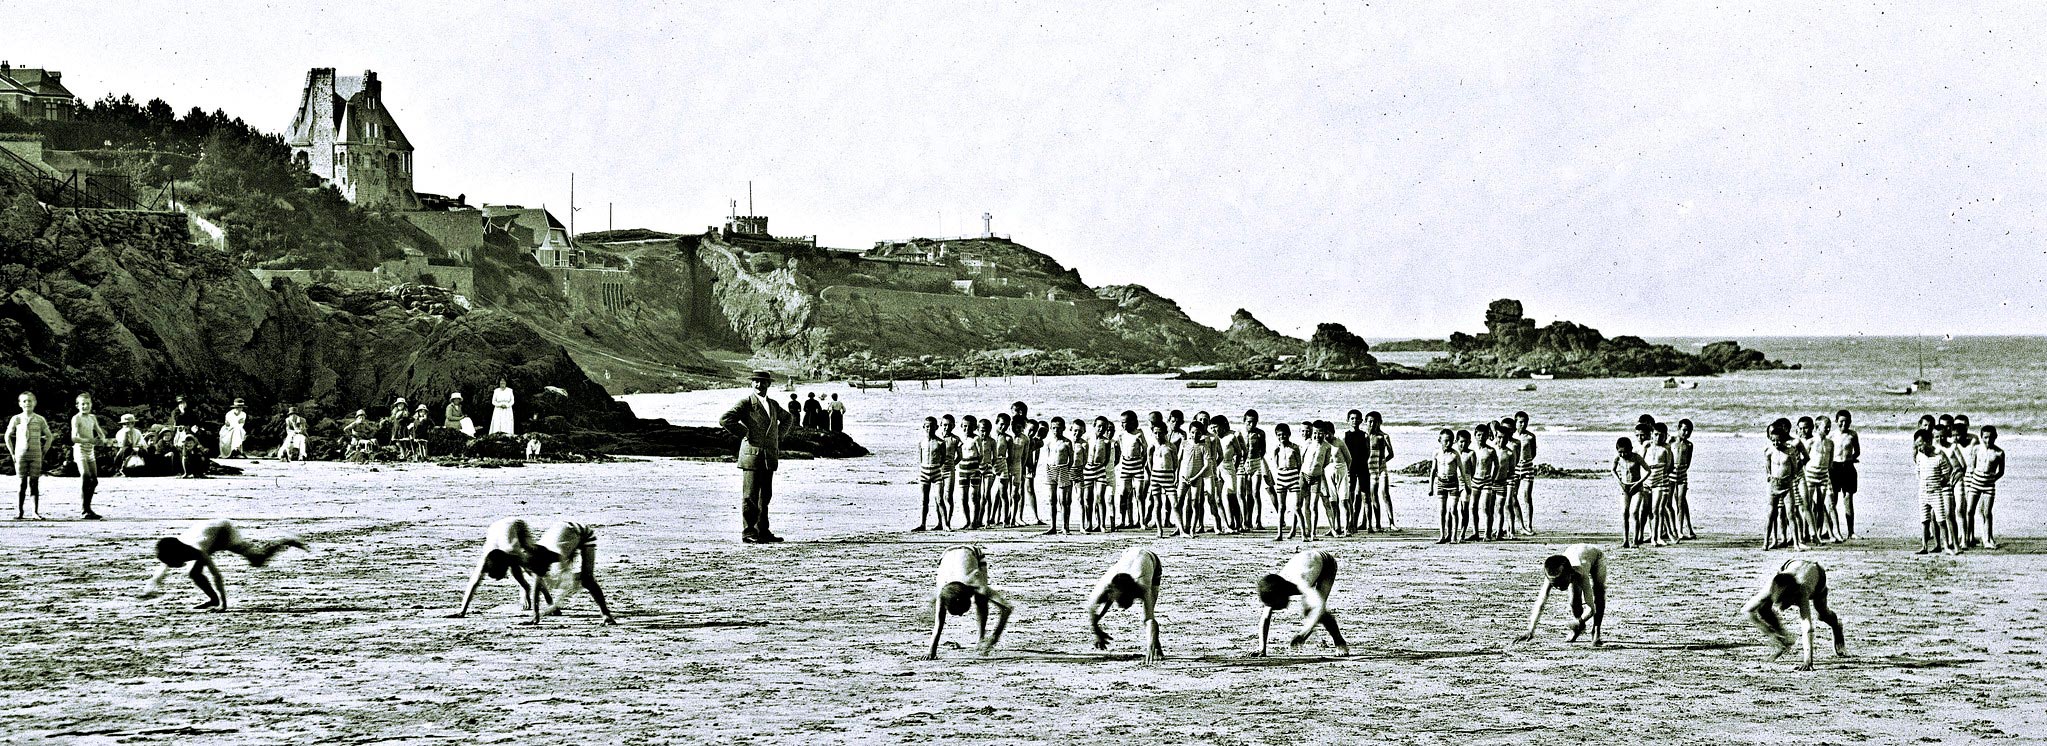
column 820, row 638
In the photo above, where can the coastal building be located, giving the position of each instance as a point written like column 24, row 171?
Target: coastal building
column 537, row 232
column 35, row 94
column 345, row 135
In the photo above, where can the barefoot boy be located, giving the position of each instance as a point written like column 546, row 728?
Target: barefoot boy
column 1134, row 578
column 86, row 438
column 197, row 547
column 1580, row 569
column 28, row 437
column 1443, row 483
column 1629, row 472
column 1801, row 584
column 509, row 547
column 1310, row 575
column 930, row 472
column 1986, row 466
column 1847, row 451
column 1932, row 468
column 963, row 583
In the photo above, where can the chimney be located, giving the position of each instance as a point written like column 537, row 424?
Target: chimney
column 5, row 66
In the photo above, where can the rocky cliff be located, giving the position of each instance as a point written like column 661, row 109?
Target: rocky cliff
column 1247, row 331
column 124, row 305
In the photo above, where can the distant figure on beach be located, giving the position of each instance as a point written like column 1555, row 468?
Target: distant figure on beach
column 28, row 437
column 191, row 456
column 1581, row 570
column 234, row 429
column 1681, row 450
column 1134, row 578
column 362, row 437
column 566, row 546
column 1311, row 575
column 129, row 443
column 197, row 547
column 813, row 412
column 963, row 583
column 837, row 410
column 1843, row 480
column 294, row 446
column 501, row 400
column 87, row 435
column 1800, row 584
column 759, row 422
column 453, row 418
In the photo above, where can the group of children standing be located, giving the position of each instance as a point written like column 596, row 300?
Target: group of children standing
column 1654, row 472
column 1164, row 473
column 1958, row 473
column 1484, row 481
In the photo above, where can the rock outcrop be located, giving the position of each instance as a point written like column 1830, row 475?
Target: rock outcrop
column 1335, row 354
column 1247, row 331
column 1513, row 346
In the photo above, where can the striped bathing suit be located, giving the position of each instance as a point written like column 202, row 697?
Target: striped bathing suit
column 1446, row 483
column 1510, row 463
column 1680, row 465
column 1062, row 471
column 931, row 461
column 1131, row 468
column 1933, row 479
column 1287, row 472
column 968, row 466
column 1094, row 469
column 1375, row 455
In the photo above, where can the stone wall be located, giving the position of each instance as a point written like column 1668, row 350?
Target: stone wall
column 593, row 289
column 459, row 232
column 412, row 269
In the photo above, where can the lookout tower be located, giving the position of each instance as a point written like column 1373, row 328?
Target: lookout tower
column 987, row 225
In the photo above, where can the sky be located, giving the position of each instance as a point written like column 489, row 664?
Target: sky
column 1658, row 169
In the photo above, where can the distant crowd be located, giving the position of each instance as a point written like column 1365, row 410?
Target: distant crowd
column 402, row 434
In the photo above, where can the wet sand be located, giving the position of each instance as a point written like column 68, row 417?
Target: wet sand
column 821, row 638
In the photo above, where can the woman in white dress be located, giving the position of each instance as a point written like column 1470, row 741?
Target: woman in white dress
column 233, row 430
column 501, row 414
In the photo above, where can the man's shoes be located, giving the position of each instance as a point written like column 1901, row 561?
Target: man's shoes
column 749, row 540
column 771, row 539
column 90, row 516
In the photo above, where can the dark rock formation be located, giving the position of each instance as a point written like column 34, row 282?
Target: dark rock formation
column 1335, row 354
column 1513, row 346
column 1247, row 331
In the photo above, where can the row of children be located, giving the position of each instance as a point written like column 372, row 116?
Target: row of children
column 1654, row 472
column 1484, row 481
column 30, row 439
column 1958, row 473
column 567, row 550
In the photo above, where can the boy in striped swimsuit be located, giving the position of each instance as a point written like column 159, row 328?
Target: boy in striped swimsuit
column 1131, row 450
column 1286, row 478
column 1508, row 464
column 1932, row 468
column 950, row 459
column 1001, row 469
column 967, row 471
column 1312, row 489
column 1680, row 477
column 1162, row 466
column 1443, row 483
column 1484, row 470
column 1376, row 458
column 1255, row 474
column 1957, row 468
column 1819, row 468
column 1197, row 464
column 1524, row 507
column 28, row 436
column 1986, row 466
column 1335, row 461
column 930, row 471
column 1464, row 514
column 1059, row 473
column 1094, row 475
column 1629, row 473
column 1781, row 463
column 1662, row 512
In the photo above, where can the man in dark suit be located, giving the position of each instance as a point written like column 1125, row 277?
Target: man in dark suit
column 759, row 422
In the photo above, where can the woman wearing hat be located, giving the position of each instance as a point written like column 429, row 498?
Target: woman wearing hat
column 294, row 436
column 454, row 419
column 130, row 442
column 421, row 421
column 234, row 429
column 501, row 409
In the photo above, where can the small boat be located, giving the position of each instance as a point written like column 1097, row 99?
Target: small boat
column 890, row 385
column 1906, row 391
column 1543, row 376
column 1670, row 383
column 1528, row 387
column 1691, row 384
column 1201, row 384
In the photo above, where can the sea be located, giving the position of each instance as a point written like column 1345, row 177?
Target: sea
column 1999, row 381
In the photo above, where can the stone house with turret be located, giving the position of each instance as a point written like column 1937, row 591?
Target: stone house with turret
column 33, row 93
column 344, row 134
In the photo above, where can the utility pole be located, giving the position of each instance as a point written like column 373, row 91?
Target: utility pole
column 749, row 198
column 608, row 217
column 572, row 204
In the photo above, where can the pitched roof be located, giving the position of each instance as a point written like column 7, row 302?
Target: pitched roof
column 34, row 81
